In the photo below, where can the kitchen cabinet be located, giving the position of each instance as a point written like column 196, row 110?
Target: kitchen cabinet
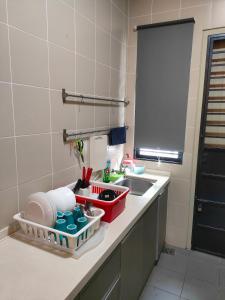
column 138, row 254
column 124, row 274
column 105, row 283
column 149, row 241
column 114, row 293
column 161, row 222
column 131, row 263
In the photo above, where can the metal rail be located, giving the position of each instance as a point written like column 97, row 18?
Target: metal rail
column 68, row 137
column 65, row 95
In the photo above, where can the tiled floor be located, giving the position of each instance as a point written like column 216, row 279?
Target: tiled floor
column 187, row 275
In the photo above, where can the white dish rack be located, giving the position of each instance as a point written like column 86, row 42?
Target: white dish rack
column 58, row 239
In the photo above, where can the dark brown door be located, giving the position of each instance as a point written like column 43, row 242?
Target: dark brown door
column 209, row 215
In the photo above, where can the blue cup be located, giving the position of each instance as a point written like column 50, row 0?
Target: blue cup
column 68, row 215
column 81, row 222
column 71, row 229
column 77, row 213
column 60, row 224
column 60, row 215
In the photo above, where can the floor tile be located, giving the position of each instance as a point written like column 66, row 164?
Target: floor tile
column 221, row 294
column 203, row 270
column 222, row 261
column 205, row 257
column 195, row 289
column 177, row 262
column 153, row 293
column 179, row 250
column 167, row 280
column 222, row 277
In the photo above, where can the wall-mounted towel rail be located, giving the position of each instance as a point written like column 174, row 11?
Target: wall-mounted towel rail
column 65, row 95
column 68, row 137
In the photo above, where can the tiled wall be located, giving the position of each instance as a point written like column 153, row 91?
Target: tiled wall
column 47, row 45
column 207, row 14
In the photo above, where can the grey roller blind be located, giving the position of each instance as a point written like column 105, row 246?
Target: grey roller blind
column 163, row 66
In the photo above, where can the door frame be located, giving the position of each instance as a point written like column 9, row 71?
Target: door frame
column 206, row 33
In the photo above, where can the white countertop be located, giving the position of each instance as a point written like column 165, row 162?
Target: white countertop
column 28, row 272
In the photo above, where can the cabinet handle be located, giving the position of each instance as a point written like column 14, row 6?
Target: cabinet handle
column 200, row 208
column 160, row 194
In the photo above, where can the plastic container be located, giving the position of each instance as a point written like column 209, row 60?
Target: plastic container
column 52, row 237
column 138, row 169
column 115, row 176
column 106, row 172
column 112, row 208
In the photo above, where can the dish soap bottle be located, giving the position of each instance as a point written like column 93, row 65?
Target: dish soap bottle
column 106, row 172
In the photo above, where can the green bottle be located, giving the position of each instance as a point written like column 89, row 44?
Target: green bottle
column 106, row 172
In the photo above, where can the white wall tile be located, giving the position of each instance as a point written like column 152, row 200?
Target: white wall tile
column 43, row 184
column 85, row 37
column 7, row 163
column 6, row 111
column 42, row 63
column 62, row 68
column 34, row 157
column 4, row 54
column 86, row 8
column 61, row 24
column 102, row 46
column 63, row 116
column 103, row 14
column 3, row 15
column 85, row 74
column 29, row 59
column 31, row 104
column 9, row 206
column 29, row 16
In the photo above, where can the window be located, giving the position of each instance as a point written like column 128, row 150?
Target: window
column 163, row 67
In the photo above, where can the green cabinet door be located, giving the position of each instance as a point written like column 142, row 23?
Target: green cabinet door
column 162, row 215
column 114, row 293
column 102, row 283
column 131, row 263
column 149, row 241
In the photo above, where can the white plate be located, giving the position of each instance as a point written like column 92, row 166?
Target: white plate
column 40, row 210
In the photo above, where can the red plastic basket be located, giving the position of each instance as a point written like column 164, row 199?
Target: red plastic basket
column 112, row 208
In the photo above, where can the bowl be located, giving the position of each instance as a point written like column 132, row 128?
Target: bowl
column 63, row 198
column 138, row 169
column 40, row 210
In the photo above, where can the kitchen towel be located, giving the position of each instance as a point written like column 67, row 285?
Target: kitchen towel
column 117, row 136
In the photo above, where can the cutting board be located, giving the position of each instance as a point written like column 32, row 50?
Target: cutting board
column 98, row 152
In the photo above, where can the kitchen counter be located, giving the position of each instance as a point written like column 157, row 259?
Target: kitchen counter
column 27, row 271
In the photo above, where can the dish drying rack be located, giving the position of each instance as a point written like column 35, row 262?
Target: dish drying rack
column 58, row 239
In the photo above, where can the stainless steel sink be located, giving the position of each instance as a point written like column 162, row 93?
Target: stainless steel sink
column 137, row 186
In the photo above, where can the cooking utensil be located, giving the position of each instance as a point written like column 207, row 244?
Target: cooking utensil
column 77, row 186
column 107, row 195
column 83, row 173
column 80, row 148
column 88, row 176
column 88, row 208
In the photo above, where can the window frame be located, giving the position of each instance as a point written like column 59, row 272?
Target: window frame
column 158, row 158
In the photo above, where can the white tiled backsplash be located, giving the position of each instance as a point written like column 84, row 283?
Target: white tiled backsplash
column 47, row 45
